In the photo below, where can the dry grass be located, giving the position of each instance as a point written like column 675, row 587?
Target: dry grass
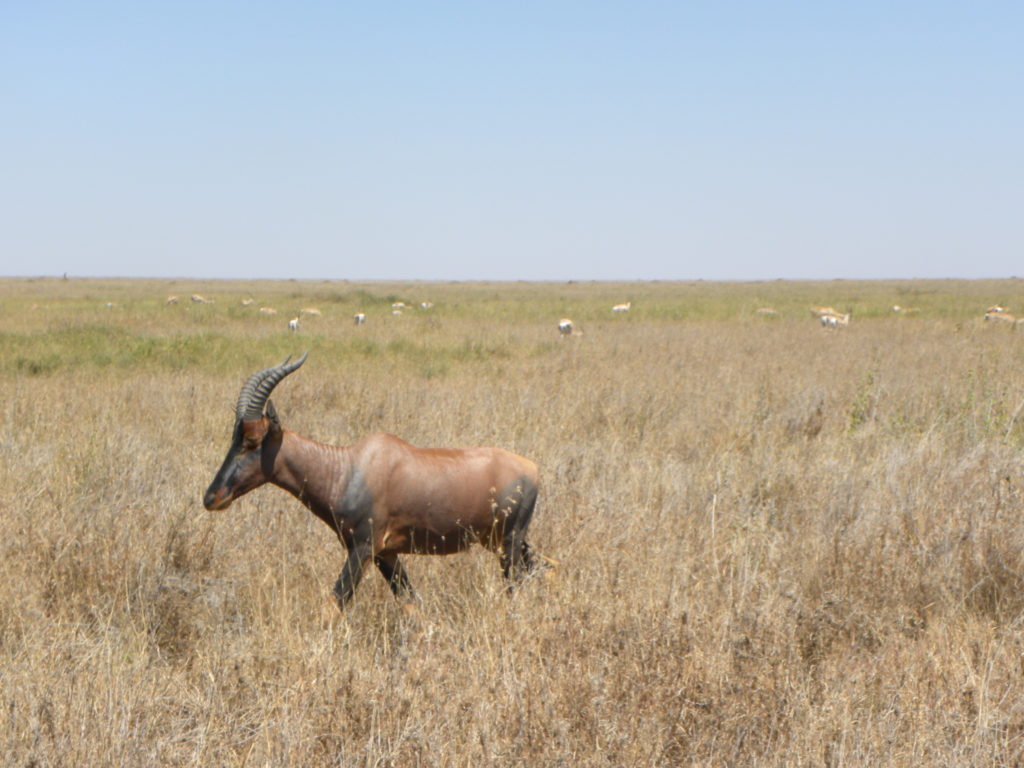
column 780, row 545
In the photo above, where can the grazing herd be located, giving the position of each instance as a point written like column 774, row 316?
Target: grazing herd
column 359, row 318
column 566, row 327
column 828, row 317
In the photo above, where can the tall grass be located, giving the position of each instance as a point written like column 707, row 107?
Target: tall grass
column 779, row 545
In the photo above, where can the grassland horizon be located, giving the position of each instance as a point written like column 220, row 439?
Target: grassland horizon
column 778, row 544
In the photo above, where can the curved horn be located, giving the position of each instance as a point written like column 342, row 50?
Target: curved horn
column 257, row 389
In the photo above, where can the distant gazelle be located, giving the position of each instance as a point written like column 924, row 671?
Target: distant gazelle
column 565, row 326
column 196, row 298
column 1000, row 315
column 359, row 318
column 268, row 311
column 622, row 307
column 171, row 300
column 835, row 320
column 293, row 324
column 382, row 497
column 310, row 311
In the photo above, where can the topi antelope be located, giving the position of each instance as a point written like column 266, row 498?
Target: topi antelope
column 1000, row 315
column 382, row 496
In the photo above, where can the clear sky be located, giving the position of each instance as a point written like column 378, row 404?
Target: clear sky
column 527, row 140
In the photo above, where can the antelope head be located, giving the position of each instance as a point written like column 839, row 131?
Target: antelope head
column 255, row 440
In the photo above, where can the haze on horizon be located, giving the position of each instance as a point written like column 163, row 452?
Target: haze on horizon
column 554, row 141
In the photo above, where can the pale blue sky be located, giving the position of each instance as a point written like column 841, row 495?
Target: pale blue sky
column 528, row 140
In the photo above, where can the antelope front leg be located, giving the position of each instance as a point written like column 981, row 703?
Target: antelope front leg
column 359, row 555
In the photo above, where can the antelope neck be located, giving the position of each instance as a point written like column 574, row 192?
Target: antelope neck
column 315, row 473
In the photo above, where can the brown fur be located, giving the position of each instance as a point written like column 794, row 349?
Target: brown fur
column 433, row 497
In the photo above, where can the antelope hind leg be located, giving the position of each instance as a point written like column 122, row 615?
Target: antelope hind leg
column 393, row 570
column 516, row 556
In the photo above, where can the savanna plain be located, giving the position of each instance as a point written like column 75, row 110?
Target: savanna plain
column 777, row 544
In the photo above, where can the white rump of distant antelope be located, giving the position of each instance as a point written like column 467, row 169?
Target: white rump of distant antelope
column 835, row 321
column 359, row 318
column 830, row 317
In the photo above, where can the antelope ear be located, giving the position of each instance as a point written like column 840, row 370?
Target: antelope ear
column 275, row 423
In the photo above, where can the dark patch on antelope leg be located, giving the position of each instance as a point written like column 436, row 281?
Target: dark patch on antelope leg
column 352, row 510
column 356, row 503
column 393, row 570
column 357, row 497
